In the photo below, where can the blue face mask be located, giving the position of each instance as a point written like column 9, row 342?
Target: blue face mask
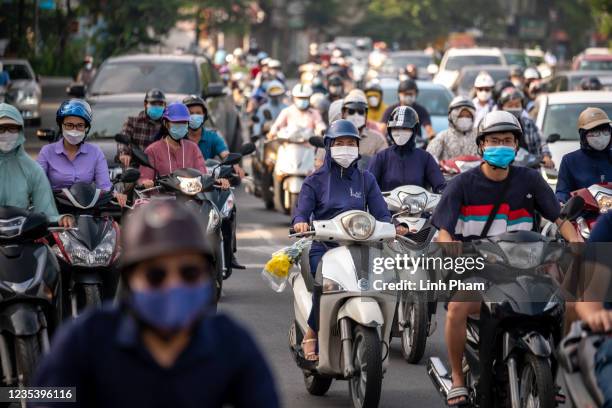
column 155, row 112
column 196, row 121
column 177, row 131
column 302, row 104
column 499, row 156
column 172, row 309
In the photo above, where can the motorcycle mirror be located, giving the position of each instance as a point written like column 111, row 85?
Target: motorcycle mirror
column 130, row 176
column 553, row 138
column 317, row 141
column 572, row 209
column 141, row 157
column 255, row 138
column 232, row 158
column 247, row 148
column 214, row 90
column 267, row 114
column 208, row 182
column 76, row 90
column 121, row 138
column 255, row 119
column 47, row 135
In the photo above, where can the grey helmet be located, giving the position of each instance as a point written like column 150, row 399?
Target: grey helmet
column 496, row 122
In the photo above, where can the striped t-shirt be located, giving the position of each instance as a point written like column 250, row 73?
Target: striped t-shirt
column 469, row 199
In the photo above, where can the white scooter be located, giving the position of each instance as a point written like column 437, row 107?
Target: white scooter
column 295, row 160
column 412, row 206
column 355, row 318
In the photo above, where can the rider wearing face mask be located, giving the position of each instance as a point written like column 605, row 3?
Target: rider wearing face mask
column 300, row 114
column 71, row 160
column 483, row 101
column 403, row 163
column 592, row 163
column 376, row 105
column 407, row 92
column 337, row 186
column 459, row 139
column 355, row 109
column 23, row 183
column 275, row 92
column 163, row 327
column 335, row 87
column 174, row 150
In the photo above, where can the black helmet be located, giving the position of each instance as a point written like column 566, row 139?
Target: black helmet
column 403, row 117
column 591, row 84
column 509, row 94
column 373, row 86
column 461, row 102
column 500, row 86
column 155, row 95
column 162, row 227
column 516, row 71
column 407, row 85
column 497, row 122
column 341, row 128
column 195, row 100
column 335, row 81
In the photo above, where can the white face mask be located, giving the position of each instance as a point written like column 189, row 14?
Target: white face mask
column 357, row 120
column 373, row 101
column 344, row 155
column 599, row 140
column 483, row 96
column 401, row 136
column 74, row 137
column 465, row 124
column 8, row 141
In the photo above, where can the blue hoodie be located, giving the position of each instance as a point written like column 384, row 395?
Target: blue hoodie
column 581, row 169
column 406, row 165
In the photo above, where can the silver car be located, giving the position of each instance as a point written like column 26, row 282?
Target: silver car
column 24, row 91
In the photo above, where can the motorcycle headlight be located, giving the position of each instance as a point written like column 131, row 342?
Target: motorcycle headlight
column 227, row 207
column 82, row 256
column 492, row 257
column 414, row 203
column 330, row 285
column 190, row 185
column 214, row 219
column 359, row 226
column 523, row 256
column 12, row 227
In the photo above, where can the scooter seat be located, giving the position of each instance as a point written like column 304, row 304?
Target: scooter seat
column 309, row 280
column 586, row 360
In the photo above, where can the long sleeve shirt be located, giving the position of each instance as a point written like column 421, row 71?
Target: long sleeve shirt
column 309, row 119
column 165, row 159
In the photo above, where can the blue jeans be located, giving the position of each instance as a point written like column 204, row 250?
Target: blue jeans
column 603, row 371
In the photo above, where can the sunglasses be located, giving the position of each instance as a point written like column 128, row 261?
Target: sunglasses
column 157, row 275
column 356, row 111
column 10, row 128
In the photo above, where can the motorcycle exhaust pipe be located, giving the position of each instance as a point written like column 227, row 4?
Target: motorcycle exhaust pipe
column 439, row 376
column 5, row 357
column 347, row 347
column 513, row 379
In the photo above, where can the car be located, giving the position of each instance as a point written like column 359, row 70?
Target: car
column 570, row 80
column 24, row 91
column 558, row 115
column 514, row 56
column 435, row 98
column 456, row 58
column 465, row 81
column 594, row 59
column 122, row 82
column 396, row 62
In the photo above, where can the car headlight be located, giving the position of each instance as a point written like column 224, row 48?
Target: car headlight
column 81, row 256
column 214, row 219
column 330, row 285
column 27, row 97
column 523, row 256
column 414, row 203
column 359, row 226
column 228, row 207
column 190, row 185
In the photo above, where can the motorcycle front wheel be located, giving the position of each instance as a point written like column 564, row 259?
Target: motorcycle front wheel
column 537, row 388
column 414, row 334
column 365, row 385
column 27, row 353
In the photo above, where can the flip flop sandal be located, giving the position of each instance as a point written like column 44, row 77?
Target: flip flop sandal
column 307, row 356
column 458, row 392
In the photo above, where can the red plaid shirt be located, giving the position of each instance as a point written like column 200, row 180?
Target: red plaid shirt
column 141, row 130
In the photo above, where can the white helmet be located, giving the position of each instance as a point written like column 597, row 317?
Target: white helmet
column 302, row 91
column 484, row 80
column 272, row 63
column 531, row 73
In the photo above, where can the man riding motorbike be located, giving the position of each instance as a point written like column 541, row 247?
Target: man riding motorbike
column 403, row 163
column 407, row 93
column 337, row 186
column 275, row 91
column 459, row 138
column 592, row 163
column 335, row 87
column 483, row 102
column 299, row 113
column 23, row 182
column 355, row 109
column 459, row 216
column 376, row 105
column 143, row 128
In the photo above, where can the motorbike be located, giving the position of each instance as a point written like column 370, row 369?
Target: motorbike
column 460, row 164
column 295, row 160
column 509, row 358
column 576, row 356
column 30, row 287
column 225, row 201
column 263, row 184
column 412, row 206
column 355, row 320
column 88, row 256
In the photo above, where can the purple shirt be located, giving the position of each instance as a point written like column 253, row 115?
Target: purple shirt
column 88, row 166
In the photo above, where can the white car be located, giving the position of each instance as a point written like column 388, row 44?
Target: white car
column 558, row 114
column 456, row 58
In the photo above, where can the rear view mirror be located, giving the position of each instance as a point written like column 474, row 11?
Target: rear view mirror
column 553, row 138
column 76, row 90
column 208, row 182
column 121, row 138
column 317, row 141
column 214, row 90
column 130, row 176
column 267, row 114
column 232, row 158
column 141, row 157
column 255, row 119
column 247, row 148
column 572, row 209
column 48, row 135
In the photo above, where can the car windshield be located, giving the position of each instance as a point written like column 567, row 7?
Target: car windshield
column 561, row 118
column 516, row 58
column 605, row 65
column 140, row 76
column 535, row 60
column 436, row 101
column 457, row 62
column 466, row 83
column 108, row 119
column 17, row 71
column 400, row 61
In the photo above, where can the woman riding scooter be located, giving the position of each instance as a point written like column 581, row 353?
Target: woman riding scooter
column 337, row 186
